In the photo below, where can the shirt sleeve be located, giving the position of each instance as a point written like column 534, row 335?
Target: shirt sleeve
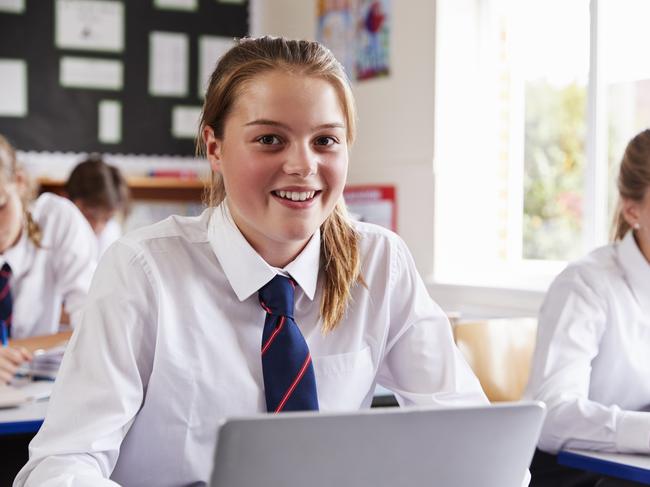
column 422, row 364
column 572, row 321
column 74, row 260
column 100, row 386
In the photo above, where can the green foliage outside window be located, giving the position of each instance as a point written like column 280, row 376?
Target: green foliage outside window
column 554, row 171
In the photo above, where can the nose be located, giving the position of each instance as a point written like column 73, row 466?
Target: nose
column 302, row 161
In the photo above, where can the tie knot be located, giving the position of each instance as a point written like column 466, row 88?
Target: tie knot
column 5, row 271
column 276, row 296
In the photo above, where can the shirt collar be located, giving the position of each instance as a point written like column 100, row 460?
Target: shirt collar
column 245, row 269
column 635, row 266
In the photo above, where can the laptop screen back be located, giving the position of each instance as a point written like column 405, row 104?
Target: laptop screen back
column 490, row 446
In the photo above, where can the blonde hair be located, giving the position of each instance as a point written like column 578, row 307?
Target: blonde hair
column 9, row 169
column 633, row 179
column 249, row 58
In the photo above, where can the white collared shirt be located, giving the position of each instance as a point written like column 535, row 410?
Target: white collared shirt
column 58, row 272
column 592, row 360
column 170, row 345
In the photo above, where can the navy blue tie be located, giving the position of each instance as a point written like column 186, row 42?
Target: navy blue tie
column 6, row 302
column 289, row 380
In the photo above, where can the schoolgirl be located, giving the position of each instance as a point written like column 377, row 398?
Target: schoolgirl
column 271, row 300
column 591, row 364
column 47, row 258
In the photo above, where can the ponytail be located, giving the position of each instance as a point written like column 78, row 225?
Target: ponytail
column 33, row 229
column 341, row 265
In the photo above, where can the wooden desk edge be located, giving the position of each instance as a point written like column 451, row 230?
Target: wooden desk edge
column 42, row 341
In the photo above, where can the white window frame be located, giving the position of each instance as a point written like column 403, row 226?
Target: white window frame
column 524, row 293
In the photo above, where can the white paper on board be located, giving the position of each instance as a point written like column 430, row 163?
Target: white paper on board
column 185, row 121
column 89, row 25
column 211, row 48
column 12, row 6
column 110, row 122
column 13, row 88
column 177, row 4
column 91, row 73
column 168, row 64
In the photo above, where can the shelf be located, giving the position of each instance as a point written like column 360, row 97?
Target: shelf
column 145, row 188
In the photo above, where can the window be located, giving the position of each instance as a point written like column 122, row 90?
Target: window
column 535, row 101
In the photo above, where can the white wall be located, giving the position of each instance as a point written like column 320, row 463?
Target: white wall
column 395, row 136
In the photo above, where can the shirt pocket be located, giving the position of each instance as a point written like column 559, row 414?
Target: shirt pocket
column 344, row 380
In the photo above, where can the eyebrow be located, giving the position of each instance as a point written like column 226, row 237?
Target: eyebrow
column 273, row 123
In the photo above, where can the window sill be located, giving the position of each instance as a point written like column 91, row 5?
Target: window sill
column 473, row 301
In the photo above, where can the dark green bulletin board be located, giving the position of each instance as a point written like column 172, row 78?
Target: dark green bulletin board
column 66, row 119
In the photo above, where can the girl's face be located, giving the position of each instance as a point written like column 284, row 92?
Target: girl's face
column 283, row 158
column 11, row 215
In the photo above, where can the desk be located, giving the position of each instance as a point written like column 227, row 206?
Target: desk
column 618, row 465
column 28, row 417
column 42, row 341
column 17, row 428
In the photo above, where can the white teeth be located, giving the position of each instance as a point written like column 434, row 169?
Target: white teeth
column 296, row 195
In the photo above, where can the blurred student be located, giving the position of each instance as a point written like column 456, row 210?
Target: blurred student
column 272, row 300
column 100, row 192
column 47, row 258
column 591, row 365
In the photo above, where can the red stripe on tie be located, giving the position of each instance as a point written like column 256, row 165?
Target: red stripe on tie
column 4, row 292
column 5, row 274
column 295, row 383
column 272, row 337
column 266, row 308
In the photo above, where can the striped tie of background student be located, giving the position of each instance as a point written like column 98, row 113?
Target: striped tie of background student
column 6, row 302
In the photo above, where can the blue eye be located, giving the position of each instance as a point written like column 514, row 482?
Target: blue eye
column 326, row 141
column 269, row 140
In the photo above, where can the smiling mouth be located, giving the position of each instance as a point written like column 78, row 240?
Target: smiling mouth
column 296, row 195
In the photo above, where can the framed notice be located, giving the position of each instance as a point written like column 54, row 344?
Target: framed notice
column 13, row 88
column 188, row 5
column 89, row 25
column 12, row 6
column 169, row 54
column 185, row 121
column 373, row 204
column 90, row 73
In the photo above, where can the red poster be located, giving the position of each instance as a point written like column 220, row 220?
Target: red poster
column 373, row 204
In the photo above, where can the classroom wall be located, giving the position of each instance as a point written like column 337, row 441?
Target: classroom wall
column 395, row 138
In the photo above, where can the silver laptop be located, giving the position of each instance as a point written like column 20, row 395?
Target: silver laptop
column 487, row 446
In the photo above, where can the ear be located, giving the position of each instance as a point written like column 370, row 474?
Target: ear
column 213, row 148
column 631, row 211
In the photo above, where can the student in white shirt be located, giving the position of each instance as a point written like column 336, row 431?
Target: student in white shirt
column 102, row 195
column 591, row 364
column 47, row 257
column 172, row 333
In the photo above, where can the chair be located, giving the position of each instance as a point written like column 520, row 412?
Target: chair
column 499, row 351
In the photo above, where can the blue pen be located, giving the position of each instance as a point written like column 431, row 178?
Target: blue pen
column 5, row 335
